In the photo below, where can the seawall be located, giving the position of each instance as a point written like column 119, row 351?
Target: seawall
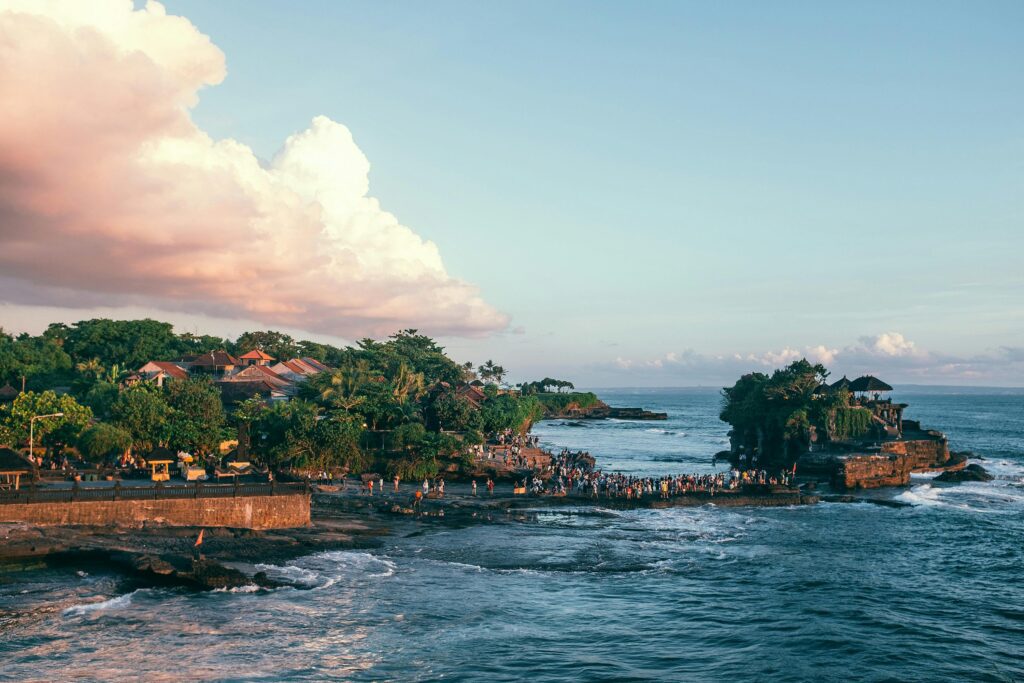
column 242, row 512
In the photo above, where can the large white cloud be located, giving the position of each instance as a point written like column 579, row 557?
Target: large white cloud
column 110, row 194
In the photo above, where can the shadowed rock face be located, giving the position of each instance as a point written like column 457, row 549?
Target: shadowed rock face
column 969, row 473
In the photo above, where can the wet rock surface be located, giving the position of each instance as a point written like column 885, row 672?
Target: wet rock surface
column 969, row 473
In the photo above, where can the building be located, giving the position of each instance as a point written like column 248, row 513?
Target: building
column 255, row 357
column 161, row 371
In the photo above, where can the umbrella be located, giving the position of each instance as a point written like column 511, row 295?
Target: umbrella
column 869, row 383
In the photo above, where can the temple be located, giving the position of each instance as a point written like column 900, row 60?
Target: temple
column 867, row 443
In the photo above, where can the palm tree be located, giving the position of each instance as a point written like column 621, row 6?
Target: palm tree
column 90, row 367
column 346, row 383
column 407, row 384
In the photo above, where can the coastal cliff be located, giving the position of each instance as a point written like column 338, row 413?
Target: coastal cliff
column 587, row 406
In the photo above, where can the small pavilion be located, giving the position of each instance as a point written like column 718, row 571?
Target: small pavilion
column 12, row 467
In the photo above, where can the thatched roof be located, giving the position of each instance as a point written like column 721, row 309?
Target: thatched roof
column 8, row 393
column 12, row 461
column 841, row 384
column 869, row 383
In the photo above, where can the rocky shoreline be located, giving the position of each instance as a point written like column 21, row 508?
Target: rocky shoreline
column 159, row 555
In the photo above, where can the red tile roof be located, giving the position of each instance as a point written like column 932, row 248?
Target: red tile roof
column 215, row 359
column 172, row 370
column 255, row 354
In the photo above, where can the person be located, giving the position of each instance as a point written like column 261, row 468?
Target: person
column 490, row 486
column 440, row 488
column 426, row 486
column 417, row 499
column 396, row 483
column 474, row 487
column 369, row 486
column 380, row 485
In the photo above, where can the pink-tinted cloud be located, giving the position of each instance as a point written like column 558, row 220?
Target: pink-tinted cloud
column 110, row 194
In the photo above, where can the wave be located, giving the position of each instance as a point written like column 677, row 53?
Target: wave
column 117, row 602
column 323, row 570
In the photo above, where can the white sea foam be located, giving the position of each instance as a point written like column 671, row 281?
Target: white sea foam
column 248, row 588
column 118, row 602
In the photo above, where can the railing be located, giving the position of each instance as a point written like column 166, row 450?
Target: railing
column 158, row 491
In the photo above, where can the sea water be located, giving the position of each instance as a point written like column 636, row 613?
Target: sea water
column 832, row 592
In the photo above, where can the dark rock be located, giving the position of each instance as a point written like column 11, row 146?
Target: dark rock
column 969, row 473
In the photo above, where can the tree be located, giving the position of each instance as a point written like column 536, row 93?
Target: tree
column 100, row 398
column 771, row 416
column 455, row 413
column 196, row 419
column 295, row 434
column 102, row 440
column 278, row 344
column 53, row 432
column 143, row 413
column 41, row 361
column 131, row 343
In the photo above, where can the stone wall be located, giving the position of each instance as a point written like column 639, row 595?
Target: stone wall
column 871, row 471
column 242, row 512
column 921, row 453
column 891, row 467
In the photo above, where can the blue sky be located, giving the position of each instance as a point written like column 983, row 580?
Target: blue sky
column 637, row 183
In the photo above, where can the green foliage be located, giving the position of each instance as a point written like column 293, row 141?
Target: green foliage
column 143, row 413
column 102, row 440
column 41, row 361
column 771, row 416
column 851, row 422
column 100, row 398
column 54, row 432
column 277, row 344
column 558, row 403
column 130, row 343
column 546, row 385
column 197, row 416
column 508, row 411
column 455, row 413
column 295, row 434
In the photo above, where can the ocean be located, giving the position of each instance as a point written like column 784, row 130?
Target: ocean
column 832, row 592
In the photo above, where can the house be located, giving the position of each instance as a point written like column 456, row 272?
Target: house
column 472, row 393
column 217, row 363
column 261, row 373
column 232, row 392
column 255, row 357
column 299, row 369
column 160, row 371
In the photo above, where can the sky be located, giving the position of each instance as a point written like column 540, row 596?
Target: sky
column 621, row 194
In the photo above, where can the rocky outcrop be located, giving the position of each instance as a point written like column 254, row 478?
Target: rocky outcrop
column 968, row 473
column 888, row 464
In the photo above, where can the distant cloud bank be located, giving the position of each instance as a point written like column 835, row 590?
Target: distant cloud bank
column 889, row 355
column 111, row 195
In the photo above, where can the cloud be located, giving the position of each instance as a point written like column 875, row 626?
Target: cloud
column 889, row 355
column 889, row 344
column 109, row 193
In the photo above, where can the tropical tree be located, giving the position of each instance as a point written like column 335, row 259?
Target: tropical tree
column 196, row 419
column 53, row 432
column 102, row 440
column 143, row 413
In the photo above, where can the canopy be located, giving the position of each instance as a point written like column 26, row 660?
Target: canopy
column 869, row 383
